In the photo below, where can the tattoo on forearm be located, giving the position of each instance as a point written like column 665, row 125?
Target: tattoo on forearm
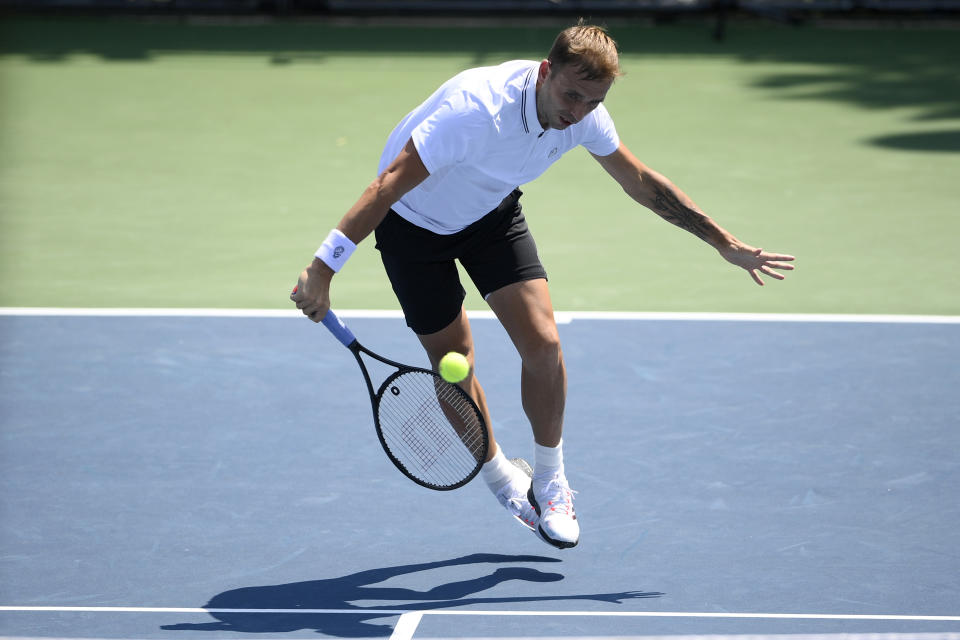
column 669, row 207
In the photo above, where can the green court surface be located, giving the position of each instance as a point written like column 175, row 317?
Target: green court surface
column 199, row 164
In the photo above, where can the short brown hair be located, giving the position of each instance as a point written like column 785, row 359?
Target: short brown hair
column 588, row 47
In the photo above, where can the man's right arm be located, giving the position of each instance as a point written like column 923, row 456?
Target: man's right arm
column 312, row 295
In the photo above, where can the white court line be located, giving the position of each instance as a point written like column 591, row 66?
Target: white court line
column 756, row 317
column 28, row 609
column 562, row 317
column 408, row 622
column 483, row 612
column 494, row 612
column 754, row 636
column 169, row 312
column 698, row 614
column 407, row 625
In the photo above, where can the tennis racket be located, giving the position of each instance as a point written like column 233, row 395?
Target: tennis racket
column 430, row 429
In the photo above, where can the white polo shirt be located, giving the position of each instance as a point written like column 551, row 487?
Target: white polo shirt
column 479, row 137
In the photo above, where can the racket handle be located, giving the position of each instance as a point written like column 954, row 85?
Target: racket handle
column 338, row 329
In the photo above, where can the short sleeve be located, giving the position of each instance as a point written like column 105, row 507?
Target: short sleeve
column 602, row 138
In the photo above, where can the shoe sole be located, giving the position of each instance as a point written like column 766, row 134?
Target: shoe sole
column 523, row 465
column 559, row 544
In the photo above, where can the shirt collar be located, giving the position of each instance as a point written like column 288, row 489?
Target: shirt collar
column 528, row 104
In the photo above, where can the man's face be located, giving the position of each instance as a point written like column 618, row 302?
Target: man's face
column 564, row 98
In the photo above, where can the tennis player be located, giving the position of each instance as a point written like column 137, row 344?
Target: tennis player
column 447, row 191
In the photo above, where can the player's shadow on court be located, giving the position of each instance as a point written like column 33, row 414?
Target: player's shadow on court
column 338, row 593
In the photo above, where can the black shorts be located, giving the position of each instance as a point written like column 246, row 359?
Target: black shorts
column 495, row 251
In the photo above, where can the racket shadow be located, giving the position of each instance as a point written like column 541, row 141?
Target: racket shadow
column 338, row 593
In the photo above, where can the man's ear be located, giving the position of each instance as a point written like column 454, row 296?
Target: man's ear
column 544, row 71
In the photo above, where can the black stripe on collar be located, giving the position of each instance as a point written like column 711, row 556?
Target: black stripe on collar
column 523, row 101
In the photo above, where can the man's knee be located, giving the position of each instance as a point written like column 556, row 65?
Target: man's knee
column 542, row 349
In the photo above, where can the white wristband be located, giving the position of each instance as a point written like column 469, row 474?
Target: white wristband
column 336, row 249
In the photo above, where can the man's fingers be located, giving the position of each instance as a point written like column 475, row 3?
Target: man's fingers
column 311, row 312
column 308, row 304
column 777, row 256
column 780, row 265
column 759, row 263
column 298, row 289
column 773, row 274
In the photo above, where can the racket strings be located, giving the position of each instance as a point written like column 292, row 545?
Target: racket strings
column 431, row 428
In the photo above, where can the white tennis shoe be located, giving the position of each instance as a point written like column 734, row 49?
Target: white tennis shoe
column 513, row 496
column 552, row 500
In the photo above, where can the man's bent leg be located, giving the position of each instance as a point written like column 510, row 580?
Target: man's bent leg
column 457, row 336
column 507, row 481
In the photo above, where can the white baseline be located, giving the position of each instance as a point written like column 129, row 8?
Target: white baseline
column 563, row 317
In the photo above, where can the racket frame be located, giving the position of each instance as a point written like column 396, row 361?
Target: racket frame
column 346, row 337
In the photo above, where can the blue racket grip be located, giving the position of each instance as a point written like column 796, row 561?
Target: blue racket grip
column 338, row 329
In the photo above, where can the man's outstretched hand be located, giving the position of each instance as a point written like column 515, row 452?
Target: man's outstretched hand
column 757, row 261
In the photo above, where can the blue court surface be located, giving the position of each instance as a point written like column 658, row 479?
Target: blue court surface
column 187, row 477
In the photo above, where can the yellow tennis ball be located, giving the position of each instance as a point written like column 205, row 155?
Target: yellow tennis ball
column 454, row 367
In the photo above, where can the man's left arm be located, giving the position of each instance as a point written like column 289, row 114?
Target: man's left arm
column 661, row 196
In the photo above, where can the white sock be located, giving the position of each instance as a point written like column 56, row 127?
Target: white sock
column 548, row 461
column 497, row 472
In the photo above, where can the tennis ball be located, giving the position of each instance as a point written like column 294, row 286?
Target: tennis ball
column 454, row 367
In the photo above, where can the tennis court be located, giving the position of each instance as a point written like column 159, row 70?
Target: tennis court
column 207, row 477
column 749, row 462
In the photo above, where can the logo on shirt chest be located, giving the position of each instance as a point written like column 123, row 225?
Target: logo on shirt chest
column 553, row 152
